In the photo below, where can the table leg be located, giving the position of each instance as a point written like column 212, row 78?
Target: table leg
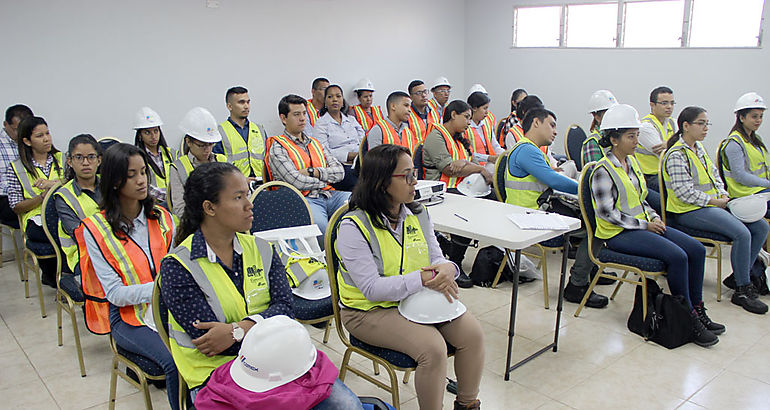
column 560, row 302
column 514, row 299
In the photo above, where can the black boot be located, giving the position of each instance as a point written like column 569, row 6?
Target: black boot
column 456, row 254
column 730, row 281
column 760, row 284
column 602, row 280
column 575, row 294
column 702, row 336
column 715, row 328
column 746, row 297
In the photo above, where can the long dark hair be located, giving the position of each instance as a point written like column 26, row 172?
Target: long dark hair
column 114, row 173
column 753, row 138
column 345, row 107
column 208, row 180
column 162, row 147
column 516, row 93
column 606, row 140
column 594, row 123
column 459, row 107
column 371, row 192
column 81, row 139
column 25, row 151
column 688, row 115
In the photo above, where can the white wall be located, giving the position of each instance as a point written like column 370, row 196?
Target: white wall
column 565, row 78
column 87, row 66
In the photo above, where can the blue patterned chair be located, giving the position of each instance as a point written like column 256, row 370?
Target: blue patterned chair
column 144, row 368
column 573, row 144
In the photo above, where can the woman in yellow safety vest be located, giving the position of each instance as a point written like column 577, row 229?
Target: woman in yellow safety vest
column 629, row 225
column 696, row 199
column 125, row 243
column 388, row 251
column 149, row 137
column 38, row 168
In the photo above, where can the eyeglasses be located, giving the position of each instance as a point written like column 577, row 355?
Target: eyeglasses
column 409, row 176
column 666, row 103
column 202, row 145
column 423, row 92
column 441, row 91
column 703, row 123
column 80, row 158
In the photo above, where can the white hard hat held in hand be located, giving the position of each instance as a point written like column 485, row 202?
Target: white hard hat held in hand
column 146, row 117
column 620, row 116
column 750, row 100
column 601, row 100
column 201, row 125
column 474, row 185
column 748, row 209
column 429, row 307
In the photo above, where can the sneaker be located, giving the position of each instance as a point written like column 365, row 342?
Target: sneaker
column 746, row 297
column 715, row 328
column 463, row 280
column 702, row 336
column 575, row 294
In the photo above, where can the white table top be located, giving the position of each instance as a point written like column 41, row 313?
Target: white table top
column 487, row 222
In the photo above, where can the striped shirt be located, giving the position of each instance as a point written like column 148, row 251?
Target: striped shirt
column 9, row 152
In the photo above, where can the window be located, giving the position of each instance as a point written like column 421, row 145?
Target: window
column 639, row 23
column 592, row 25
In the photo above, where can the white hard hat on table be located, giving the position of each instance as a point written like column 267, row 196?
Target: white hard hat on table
column 750, row 100
column 441, row 81
column 474, row 185
column 146, row 117
column 620, row 116
column 201, row 125
column 601, row 100
column 364, row 85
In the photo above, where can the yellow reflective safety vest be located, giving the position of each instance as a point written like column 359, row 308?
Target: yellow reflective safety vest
column 184, row 165
column 248, row 157
column 391, row 257
column 299, row 267
column 647, row 159
column 160, row 181
column 630, row 200
column 27, row 182
column 224, row 299
column 523, row 191
column 703, row 179
column 755, row 161
column 83, row 206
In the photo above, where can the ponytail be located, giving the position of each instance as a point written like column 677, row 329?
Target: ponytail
column 674, row 139
column 688, row 115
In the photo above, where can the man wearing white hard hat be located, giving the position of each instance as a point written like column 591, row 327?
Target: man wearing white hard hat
column 696, row 199
column 277, row 367
column 661, row 108
column 200, row 135
column 149, row 137
column 365, row 112
column 440, row 90
column 421, row 117
column 243, row 141
column 489, row 120
column 629, row 225
column 598, row 104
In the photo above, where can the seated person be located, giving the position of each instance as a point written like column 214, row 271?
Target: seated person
column 394, row 129
column 628, row 224
column 365, row 113
column 305, row 163
column 481, row 136
column 340, row 133
column 598, row 105
column 9, row 152
column 243, row 141
column 512, row 119
column 124, row 244
column 149, row 138
column 529, row 176
column 373, row 280
column 421, row 116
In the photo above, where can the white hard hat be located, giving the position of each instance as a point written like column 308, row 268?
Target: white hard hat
column 620, row 116
column 750, row 100
column 275, row 351
column 441, row 81
column 474, row 185
column 748, row 209
column 429, row 307
column 201, row 125
column 477, row 88
column 314, row 287
column 648, row 136
column 601, row 100
column 146, row 118
column 364, row 85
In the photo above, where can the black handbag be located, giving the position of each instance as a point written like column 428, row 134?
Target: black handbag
column 550, row 201
column 669, row 322
column 485, row 267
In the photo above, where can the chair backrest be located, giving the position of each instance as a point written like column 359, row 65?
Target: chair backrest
column 279, row 205
column 662, row 186
column 363, row 149
column 160, row 316
column 50, row 219
column 720, row 163
column 265, row 175
column 573, row 144
column 182, row 146
column 107, row 142
column 332, row 264
column 498, row 182
column 587, row 211
column 418, row 165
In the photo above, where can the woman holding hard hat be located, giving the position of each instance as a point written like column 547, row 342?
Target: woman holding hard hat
column 200, row 135
column 628, row 224
column 389, row 256
column 598, row 104
column 149, row 137
column 696, row 199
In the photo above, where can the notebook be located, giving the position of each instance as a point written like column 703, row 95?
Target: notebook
column 538, row 221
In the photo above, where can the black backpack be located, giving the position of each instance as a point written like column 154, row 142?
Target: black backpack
column 485, row 267
column 669, row 322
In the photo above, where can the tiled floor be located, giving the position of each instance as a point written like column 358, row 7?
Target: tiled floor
column 600, row 364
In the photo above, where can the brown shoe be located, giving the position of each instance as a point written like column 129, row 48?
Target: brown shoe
column 476, row 404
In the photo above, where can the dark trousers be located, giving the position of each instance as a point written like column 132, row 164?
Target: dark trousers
column 47, row 266
column 347, row 183
column 7, row 216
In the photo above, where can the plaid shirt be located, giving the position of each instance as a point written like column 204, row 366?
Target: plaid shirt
column 15, row 191
column 591, row 151
column 9, row 152
column 283, row 169
column 678, row 167
column 605, row 194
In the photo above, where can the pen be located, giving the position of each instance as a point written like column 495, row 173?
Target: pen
column 461, row 218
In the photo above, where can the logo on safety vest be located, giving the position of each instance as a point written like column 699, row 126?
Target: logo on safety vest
column 252, row 271
column 410, row 230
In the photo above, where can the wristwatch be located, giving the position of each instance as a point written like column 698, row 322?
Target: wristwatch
column 238, row 332
column 310, row 171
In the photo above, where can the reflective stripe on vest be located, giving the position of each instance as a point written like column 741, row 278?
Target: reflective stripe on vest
column 160, row 181
column 630, row 200
column 299, row 268
column 523, row 191
column 83, row 206
column 436, row 111
column 223, row 298
column 388, row 254
column 127, row 259
column 480, row 144
column 390, row 136
column 246, row 156
column 28, row 189
column 367, row 121
column 456, row 151
column 755, row 162
column 701, row 175
column 489, row 123
column 419, row 127
column 184, row 166
column 647, row 159
column 301, row 159
column 312, row 113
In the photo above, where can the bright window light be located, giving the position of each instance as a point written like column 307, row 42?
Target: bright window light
column 592, row 25
column 654, row 24
column 719, row 23
column 537, row 26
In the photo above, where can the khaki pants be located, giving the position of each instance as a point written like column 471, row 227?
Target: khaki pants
column 426, row 344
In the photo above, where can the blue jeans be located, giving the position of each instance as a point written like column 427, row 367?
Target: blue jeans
column 322, row 208
column 144, row 341
column 684, row 258
column 340, row 398
column 747, row 238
